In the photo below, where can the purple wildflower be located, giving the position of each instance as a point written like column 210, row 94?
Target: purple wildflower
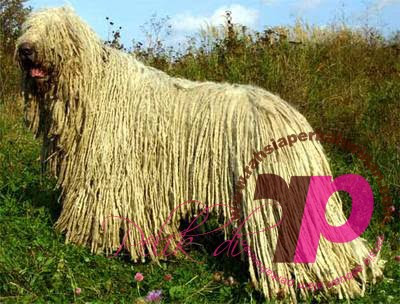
column 154, row 296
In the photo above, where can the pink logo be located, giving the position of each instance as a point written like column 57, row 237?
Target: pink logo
column 314, row 223
column 304, row 204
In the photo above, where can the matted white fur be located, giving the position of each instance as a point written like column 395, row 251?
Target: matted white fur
column 127, row 140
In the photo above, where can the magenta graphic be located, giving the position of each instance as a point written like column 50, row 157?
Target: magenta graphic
column 304, row 204
column 314, row 223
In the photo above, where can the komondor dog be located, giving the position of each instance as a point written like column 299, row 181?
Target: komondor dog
column 130, row 144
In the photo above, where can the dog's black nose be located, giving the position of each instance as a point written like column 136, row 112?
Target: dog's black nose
column 26, row 49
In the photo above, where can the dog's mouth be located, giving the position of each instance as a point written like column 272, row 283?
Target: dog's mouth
column 37, row 72
column 38, row 75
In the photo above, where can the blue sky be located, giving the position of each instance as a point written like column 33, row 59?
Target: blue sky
column 187, row 16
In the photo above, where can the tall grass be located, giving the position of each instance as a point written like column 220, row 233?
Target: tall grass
column 12, row 14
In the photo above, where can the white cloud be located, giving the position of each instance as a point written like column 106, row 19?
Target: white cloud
column 240, row 14
column 308, row 4
column 380, row 4
column 302, row 5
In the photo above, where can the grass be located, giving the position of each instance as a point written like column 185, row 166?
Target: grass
column 342, row 81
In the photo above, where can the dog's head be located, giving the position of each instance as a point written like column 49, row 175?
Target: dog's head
column 55, row 42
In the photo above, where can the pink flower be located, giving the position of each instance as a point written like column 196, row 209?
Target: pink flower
column 168, row 277
column 78, row 291
column 139, row 277
column 154, row 296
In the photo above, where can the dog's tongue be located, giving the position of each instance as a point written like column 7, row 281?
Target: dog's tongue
column 37, row 73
